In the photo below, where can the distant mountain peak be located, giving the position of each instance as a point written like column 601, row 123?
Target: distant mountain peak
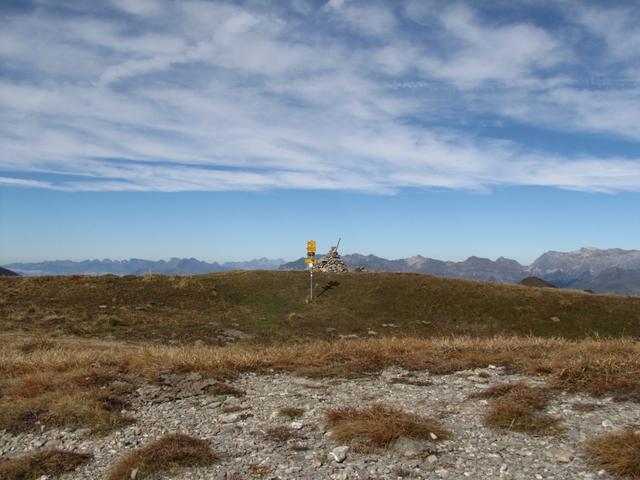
column 416, row 260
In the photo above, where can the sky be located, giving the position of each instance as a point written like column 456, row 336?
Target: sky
column 235, row 130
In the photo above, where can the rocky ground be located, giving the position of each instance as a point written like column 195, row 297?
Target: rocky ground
column 240, row 429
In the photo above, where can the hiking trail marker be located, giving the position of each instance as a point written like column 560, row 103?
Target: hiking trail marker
column 310, row 260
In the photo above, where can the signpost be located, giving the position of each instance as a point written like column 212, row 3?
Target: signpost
column 310, row 260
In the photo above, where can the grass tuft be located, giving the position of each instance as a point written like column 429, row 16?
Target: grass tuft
column 618, row 453
column 379, row 425
column 519, row 407
column 221, row 388
column 36, row 344
column 44, row 463
column 163, row 455
column 291, row 412
column 281, row 434
column 586, row 407
column 88, row 397
column 91, row 409
column 499, row 390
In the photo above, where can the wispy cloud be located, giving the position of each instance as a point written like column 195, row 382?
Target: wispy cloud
column 196, row 95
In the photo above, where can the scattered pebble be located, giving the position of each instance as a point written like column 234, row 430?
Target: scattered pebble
column 236, row 426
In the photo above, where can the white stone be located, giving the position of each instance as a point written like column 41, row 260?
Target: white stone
column 339, row 454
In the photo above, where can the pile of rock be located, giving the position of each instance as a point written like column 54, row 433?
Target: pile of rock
column 331, row 263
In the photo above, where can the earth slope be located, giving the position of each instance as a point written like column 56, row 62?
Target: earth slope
column 4, row 272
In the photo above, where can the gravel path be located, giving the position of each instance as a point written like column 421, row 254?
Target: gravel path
column 237, row 428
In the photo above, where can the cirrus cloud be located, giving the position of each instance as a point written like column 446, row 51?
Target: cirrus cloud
column 173, row 96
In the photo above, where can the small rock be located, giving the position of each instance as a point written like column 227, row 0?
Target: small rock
column 607, row 423
column 339, row 454
column 296, row 425
column 555, row 319
column 229, row 417
column 433, row 436
column 563, row 456
column 432, row 459
column 134, row 474
column 408, row 447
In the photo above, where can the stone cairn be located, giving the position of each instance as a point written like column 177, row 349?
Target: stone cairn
column 331, row 263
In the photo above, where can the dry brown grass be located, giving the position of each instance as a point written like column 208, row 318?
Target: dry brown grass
column 586, row 407
column 162, row 455
column 379, row 425
column 61, row 409
column 46, row 462
column 80, row 397
column 79, row 372
column 37, row 343
column 411, row 381
column 291, row 412
column 221, row 388
column 618, row 453
column 519, row 407
column 281, row 434
column 498, row 391
column 605, row 374
column 260, row 470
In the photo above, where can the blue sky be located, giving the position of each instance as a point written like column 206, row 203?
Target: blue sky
column 234, row 130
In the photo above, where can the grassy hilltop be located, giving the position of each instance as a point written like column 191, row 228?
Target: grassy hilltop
column 271, row 307
column 74, row 351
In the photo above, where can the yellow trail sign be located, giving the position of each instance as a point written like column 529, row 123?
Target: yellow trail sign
column 311, row 246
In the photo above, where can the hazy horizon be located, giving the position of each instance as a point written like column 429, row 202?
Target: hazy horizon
column 283, row 259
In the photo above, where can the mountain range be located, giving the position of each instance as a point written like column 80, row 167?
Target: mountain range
column 601, row 271
column 136, row 266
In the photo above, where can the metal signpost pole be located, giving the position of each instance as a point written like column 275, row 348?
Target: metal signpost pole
column 311, row 254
